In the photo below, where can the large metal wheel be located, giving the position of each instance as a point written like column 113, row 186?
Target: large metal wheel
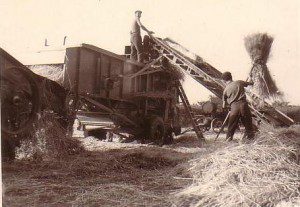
column 20, row 100
column 157, row 130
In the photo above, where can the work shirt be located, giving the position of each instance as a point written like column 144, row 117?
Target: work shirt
column 135, row 28
column 235, row 91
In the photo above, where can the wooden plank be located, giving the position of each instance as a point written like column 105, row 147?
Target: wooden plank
column 87, row 71
column 102, row 51
column 98, row 74
column 136, row 88
column 71, row 68
column 147, row 67
column 148, row 83
column 128, row 83
column 121, row 81
column 146, row 107
column 107, row 95
column 143, row 83
column 77, row 74
column 140, row 84
column 133, row 83
column 104, row 73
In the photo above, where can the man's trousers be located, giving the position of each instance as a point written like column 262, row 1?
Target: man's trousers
column 240, row 111
column 136, row 47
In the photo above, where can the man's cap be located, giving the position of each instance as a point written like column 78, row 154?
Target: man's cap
column 138, row 11
column 226, row 76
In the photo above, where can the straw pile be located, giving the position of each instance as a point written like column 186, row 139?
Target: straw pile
column 119, row 177
column 48, row 140
column 258, row 47
column 172, row 70
column 262, row 173
column 52, row 72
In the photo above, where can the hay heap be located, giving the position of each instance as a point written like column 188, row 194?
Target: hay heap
column 52, row 72
column 263, row 173
column 258, row 46
column 48, row 140
column 172, row 70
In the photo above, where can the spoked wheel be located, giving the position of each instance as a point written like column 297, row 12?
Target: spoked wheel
column 157, row 130
column 20, row 100
column 200, row 119
column 216, row 125
column 204, row 122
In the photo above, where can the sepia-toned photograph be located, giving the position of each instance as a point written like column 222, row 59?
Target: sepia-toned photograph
column 150, row 103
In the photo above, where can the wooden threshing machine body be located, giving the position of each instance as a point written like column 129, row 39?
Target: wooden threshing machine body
column 110, row 86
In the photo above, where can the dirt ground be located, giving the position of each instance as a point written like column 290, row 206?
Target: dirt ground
column 107, row 174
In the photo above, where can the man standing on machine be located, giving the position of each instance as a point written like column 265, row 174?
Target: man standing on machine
column 136, row 38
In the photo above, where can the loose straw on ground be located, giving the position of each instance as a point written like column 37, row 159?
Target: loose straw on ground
column 48, row 140
column 262, row 173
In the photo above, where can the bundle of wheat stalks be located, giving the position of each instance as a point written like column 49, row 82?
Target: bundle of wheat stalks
column 262, row 173
column 48, row 140
column 258, row 47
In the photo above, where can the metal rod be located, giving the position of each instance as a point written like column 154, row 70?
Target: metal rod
column 223, row 125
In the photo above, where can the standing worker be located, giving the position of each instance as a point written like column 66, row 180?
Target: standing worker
column 234, row 95
column 136, row 38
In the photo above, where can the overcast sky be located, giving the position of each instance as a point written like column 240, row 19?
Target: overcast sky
column 213, row 29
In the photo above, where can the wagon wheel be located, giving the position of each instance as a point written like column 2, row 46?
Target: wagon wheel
column 203, row 121
column 199, row 119
column 216, row 125
column 157, row 130
column 20, row 100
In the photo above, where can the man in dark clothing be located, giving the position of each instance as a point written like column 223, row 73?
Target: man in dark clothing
column 136, row 38
column 234, row 95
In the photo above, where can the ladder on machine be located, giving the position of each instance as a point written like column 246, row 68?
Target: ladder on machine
column 189, row 111
column 210, row 78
